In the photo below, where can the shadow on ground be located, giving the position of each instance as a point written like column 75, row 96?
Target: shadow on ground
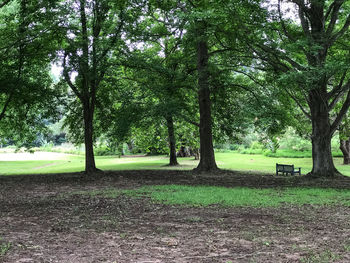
column 42, row 219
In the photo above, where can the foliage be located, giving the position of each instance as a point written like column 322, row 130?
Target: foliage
column 62, row 148
column 306, row 59
column 292, row 141
column 27, row 98
column 103, row 150
column 131, row 67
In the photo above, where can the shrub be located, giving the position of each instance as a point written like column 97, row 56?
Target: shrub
column 256, row 146
column 103, row 150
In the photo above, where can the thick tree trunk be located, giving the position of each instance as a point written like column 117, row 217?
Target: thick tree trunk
column 345, row 149
column 90, row 166
column 172, row 141
column 322, row 159
column 207, row 157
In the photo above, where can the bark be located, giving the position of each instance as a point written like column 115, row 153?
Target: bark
column 90, row 166
column 195, row 153
column 207, row 157
column 345, row 149
column 323, row 165
column 183, row 152
column 172, row 141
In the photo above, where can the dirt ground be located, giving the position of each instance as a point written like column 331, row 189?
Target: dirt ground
column 44, row 222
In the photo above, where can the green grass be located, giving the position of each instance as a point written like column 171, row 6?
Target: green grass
column 231, row 160
column 4, row 247
column 261, row 163
column 233, row 197
column 324, row 257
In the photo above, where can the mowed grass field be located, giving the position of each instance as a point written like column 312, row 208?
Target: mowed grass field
column 42, row 163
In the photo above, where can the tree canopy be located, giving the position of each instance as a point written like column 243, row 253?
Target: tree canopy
column 173, row 72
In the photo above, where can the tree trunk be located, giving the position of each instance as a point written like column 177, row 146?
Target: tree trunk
column 207, row 157
column 90, row 166
column 195, row 153
column 345, row 149
column 322, row 159
column 172, row 141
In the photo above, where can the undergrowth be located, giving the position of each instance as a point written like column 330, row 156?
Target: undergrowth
column 284, row 153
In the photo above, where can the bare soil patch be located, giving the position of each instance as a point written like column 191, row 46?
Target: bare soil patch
column 45, row 222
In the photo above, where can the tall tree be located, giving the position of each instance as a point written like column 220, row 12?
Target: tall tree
column 201, row 22
column 93, row 31
column 309, row 58
column 157, row 67
column 208, row 23
column 27, row 97
column 207, row 157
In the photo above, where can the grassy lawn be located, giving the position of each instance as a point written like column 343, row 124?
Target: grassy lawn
column 231, row 197
column 232, row 161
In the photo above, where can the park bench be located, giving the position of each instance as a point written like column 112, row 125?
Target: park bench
column 286, row 169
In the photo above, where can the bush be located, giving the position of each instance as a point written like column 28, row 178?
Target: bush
column 104, row 150
column 253, row 151
column 63, row 148
column 295, row 154
column 256, row 146
column 292, row 141
column 289, row 154
column 226, row 147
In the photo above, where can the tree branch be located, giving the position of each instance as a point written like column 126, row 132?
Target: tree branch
column 7, row 102
column 307, row 114
column 219, row 51
column 342, row 111
column 339, row 88
column 341, row 32
column 113, row 41
column 328, row 12
column 334, row 11
column 278, row 55
column 302, row 13
column 68, row 80
column 250, row 91
column 186, row 119
column 285, row 31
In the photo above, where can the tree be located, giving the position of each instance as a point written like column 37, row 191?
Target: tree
column 27, row 97
column 309, row 59
column 157, row 68
column 93, row 32
column 207, row 157
column 153, row 92
column 214, row 31
column 200, row 15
